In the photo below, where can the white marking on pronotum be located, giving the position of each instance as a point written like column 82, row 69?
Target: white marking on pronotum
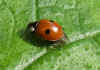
column 32, row 29
column 25, row 61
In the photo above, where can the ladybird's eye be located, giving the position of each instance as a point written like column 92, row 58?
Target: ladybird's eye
column 47, row 31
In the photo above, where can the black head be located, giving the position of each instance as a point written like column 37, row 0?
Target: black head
column 32, row 26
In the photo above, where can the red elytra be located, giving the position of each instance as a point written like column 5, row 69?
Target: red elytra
column 49, row 30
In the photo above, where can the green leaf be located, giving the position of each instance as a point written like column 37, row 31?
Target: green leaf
column 81, row 55
column 79, row 19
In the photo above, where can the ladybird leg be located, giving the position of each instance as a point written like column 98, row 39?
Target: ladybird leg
column 51, row 20
column 63, row 40
column 56, row 45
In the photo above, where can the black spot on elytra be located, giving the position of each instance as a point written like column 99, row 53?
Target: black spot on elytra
column 47, row 31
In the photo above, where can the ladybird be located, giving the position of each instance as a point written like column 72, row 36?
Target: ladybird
column 48, row 30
